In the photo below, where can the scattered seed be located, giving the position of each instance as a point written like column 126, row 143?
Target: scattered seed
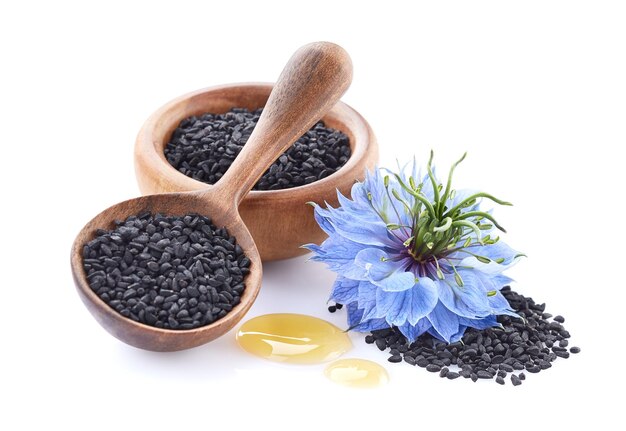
column 515, row 380
column 482, row 374
column 422, row 362
column 451, row 375
column 531, row 346
column 506, row 368
column 433, row 368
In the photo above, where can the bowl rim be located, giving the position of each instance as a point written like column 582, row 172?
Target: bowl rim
column 361, row 145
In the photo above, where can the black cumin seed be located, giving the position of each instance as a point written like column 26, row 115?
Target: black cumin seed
column 433, row 368
column 532, row 345
column 515, row 380
column 143, row 286
column 204, row 147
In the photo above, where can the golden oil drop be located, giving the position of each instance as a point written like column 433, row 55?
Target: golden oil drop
column 357, row 373
column 293, row 338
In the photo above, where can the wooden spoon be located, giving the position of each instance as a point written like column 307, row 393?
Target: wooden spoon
column 310, row 84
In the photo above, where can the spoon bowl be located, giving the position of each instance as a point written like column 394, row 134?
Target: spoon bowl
column 311, row 83
column 173, row 204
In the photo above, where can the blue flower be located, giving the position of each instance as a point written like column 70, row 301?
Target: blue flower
column 413, row 253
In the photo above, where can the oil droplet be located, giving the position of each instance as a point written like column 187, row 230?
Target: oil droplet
column 294, row 338
column 357, row 373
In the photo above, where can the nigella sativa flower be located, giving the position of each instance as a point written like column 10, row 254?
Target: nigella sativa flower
column 413, row 253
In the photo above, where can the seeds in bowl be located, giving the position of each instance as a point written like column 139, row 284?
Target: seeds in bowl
column 204, row 147
column 169, row 272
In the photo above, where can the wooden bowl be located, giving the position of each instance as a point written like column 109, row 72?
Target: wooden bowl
column 279, row 220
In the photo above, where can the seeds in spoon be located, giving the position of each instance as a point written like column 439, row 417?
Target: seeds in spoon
column 167, row 271
column 204, row 147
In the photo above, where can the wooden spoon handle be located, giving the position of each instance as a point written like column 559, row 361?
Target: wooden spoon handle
column 311, row 83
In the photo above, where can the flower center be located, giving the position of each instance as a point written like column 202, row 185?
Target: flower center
column 439, row 229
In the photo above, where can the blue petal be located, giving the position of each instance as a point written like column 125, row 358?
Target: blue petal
column 397, row 282
column 485, row 282
column 338, row 254
column 459, row 334
column 357, row 323
column 364, row 233
column 423, row 299
column 495, row 251
column 372, row 260
column 323, row 220
column 500, row 305
column 408, row 305
column 393, row 209
column 367, row 299
column 371, row 325
column 359, row 195
column 390, row 209
column 484, row 323
column 411, row 332
column 356, row 222
column 384, row 271
column 355, row 314
column 392, row 306
column 345, row 290
column 374, row 183
column 363, row 212
column 498, row 302
column 444, row 322
column 500, row 280
column 469, row 301
column 453, row 338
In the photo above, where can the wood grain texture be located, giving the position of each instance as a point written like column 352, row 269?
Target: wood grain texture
column 326, row 67
column 279, row 220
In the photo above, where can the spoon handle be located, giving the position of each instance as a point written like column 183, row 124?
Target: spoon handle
column 311, row 83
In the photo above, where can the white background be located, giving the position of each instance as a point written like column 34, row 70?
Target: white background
column 534, row 90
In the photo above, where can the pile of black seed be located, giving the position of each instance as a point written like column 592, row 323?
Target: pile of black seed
column 518, row 347
column 168, row 272
column 204, row 147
